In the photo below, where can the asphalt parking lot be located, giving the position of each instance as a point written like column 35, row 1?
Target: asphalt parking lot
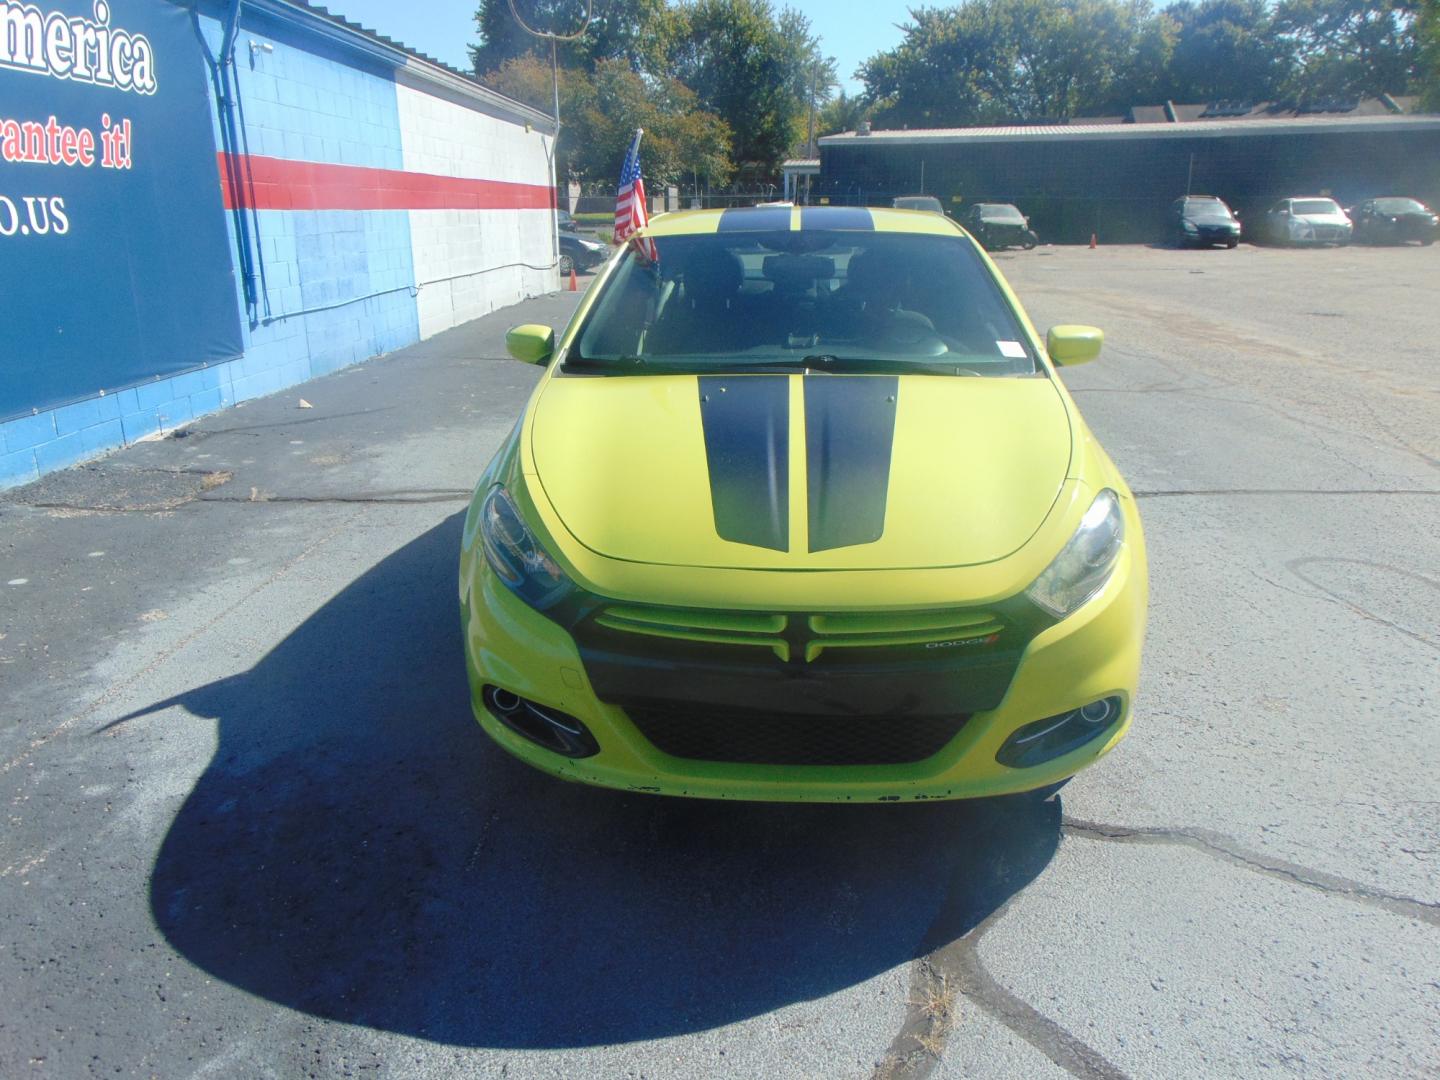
column 252, row 830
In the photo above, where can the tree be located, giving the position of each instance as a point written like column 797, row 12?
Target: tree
column 748, row 67
column 997, row 60
column 1225, row 50
column 1349, row 48
column 1427, row 32
column 601, row 110
column 617, row 29
column 842, row 113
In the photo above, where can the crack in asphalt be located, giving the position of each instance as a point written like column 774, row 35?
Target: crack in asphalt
column 1005, row 855
column 1295, row 565
column 949, row 967
column 1221, row 847
column 403, row 496
column 1176, row 492
column 954, row 970
column 378, row 498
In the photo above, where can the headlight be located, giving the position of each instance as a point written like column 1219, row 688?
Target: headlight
column 1189, row 226
column 515, row 554
column 1085, row 562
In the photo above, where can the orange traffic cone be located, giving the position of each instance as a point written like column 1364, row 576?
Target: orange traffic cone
column 1093, row 243
column 574, row 282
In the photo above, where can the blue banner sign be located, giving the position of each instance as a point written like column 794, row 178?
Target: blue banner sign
column 115, row 266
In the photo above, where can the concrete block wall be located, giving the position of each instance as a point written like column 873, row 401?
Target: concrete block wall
column 472, row 261
column 380, row 208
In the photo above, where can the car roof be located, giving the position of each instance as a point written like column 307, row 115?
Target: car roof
column 771, row 218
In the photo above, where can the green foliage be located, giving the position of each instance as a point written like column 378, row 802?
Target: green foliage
column 749, row 67
column 616, row 30
column 1349, row 48
column 727, row 86
column 1225, row 50
column 986, row 61
column 600, row 111
column 995, row 60
column 841, row 113
column 1427, row 32
column 713, row 82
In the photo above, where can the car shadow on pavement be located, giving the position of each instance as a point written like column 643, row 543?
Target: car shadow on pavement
column 358, row 850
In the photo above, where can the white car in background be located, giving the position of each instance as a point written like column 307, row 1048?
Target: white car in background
column 1311, row 219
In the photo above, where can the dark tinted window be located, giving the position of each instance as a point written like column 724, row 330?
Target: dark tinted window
column 859, row 300
column 1399, row 206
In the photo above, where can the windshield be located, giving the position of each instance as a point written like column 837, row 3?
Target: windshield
column 1399, row 206
column 806, row 300
column 1000, row 212
column 1314, row 206
column 1209, row 210
column 919, row 202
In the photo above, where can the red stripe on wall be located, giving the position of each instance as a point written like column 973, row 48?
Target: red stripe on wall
column 266, row 183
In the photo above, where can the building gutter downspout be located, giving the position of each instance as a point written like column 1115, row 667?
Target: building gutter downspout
column 222, row 77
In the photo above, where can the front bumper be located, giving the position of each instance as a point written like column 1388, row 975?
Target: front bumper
column 1093, row 654
column 1320, row 234
column 1210, row 236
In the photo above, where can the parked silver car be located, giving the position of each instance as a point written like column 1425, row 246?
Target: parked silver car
column 1312, row 219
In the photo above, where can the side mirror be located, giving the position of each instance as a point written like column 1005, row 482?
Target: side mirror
column 531, row 343
column 1071, row 345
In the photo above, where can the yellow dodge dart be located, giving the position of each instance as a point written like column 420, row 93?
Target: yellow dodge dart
column 800, row 510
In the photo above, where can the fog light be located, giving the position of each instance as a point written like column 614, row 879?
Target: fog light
column 558, row 732
column 1056, row 736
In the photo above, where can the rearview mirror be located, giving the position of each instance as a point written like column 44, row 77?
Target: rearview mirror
column 531, row 342
column 1071, row 345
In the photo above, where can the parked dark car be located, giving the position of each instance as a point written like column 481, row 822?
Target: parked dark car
column 999, row 225
column 918, row 202
column 580, row 254
column 564, row 221
column 1203, row 221
column 1394, row 220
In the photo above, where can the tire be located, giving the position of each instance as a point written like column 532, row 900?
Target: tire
column 1427, row 241
column 567, row 265
column 1030, row 241
column 1231, row 244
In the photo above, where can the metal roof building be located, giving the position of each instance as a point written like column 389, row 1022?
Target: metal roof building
column 1116, row 178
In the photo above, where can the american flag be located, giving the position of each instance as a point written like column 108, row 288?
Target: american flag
column 630, row 213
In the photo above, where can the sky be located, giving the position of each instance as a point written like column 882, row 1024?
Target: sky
column 443, row 28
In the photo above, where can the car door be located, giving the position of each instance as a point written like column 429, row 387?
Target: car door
column 1363, row 216
column 1277, row 221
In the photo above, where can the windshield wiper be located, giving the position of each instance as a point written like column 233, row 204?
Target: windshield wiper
column 604, row 363
column 829, row 362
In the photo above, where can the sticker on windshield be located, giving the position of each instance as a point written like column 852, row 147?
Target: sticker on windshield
column 1012, row 349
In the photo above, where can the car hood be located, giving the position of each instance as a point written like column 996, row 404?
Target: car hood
column 799, row 472
column 1321, row 219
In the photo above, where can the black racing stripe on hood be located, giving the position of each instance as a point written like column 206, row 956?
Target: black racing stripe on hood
column 747, row 447
column 849, row 431
column 754, row 219
column 837, row 217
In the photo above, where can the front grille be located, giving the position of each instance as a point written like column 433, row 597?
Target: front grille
column 739, row 736
column 807, row 637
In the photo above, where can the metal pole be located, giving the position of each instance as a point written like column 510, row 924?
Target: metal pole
column 554, row 178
